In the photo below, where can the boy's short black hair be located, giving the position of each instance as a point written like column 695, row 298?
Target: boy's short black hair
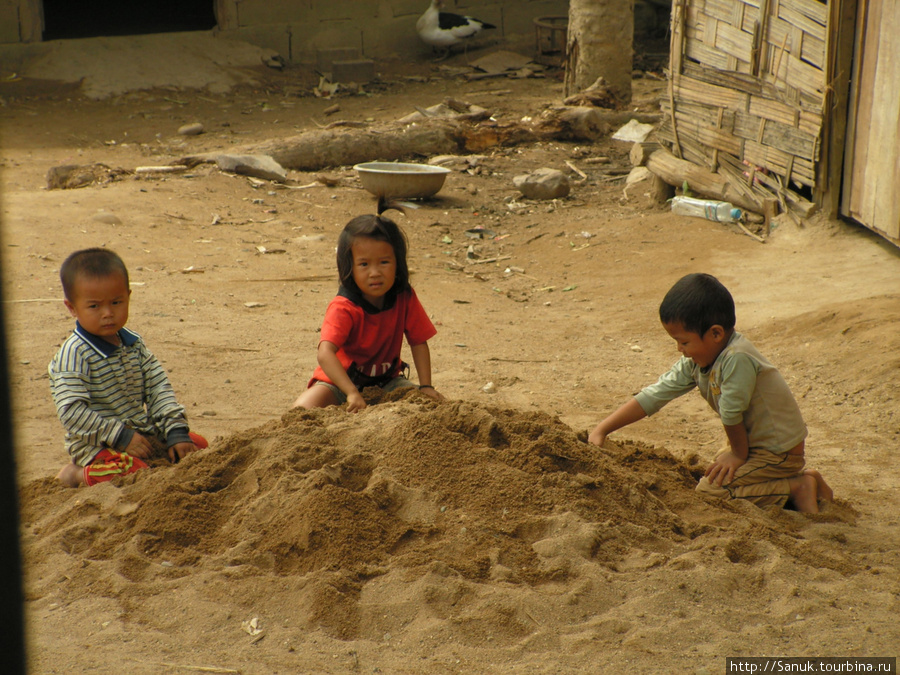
column 379, row 228
column 698, row 302
column 91, row 262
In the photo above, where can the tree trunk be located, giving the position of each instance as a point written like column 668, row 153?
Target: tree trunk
column 599, row 44
column 343, row 146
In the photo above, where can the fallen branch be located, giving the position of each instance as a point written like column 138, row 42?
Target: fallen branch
column 172, row 168
column 321, row 148
column 576, row 170
column 311, row 277
column 750, row 234
column 496, row 358
column 33, row 300
column 216, row 347
column 199, row 669
column 488, row 260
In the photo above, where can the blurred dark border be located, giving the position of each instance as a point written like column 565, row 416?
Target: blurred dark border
column 12, row 625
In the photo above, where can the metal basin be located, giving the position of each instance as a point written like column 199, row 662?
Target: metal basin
column 404, row 181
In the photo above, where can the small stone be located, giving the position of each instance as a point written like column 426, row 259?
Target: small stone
column 543, row 184
column 107, row 218
column 194, row 129
column 489, row 388
column 256, row 166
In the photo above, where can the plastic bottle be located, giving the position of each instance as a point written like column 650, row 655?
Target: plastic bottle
column 720, row 212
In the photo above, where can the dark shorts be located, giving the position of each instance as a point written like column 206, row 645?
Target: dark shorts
column 398, row 382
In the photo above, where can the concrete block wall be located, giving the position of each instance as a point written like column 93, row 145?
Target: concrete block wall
column 380, row 29
column 296, row 29
column 20, row 21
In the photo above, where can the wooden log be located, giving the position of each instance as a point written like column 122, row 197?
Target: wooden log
column 322, row 148
column 660, row 190
column 641, row 151
column 576, row 124
column 770, row 210
column 677, row 172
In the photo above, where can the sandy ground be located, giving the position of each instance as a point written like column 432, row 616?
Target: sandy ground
column 478, row 535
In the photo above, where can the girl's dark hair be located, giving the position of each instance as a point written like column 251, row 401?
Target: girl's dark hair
column 381, row 229
column 90, row 262
column 698, row 302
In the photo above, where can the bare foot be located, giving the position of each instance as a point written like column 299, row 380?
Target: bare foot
column 804, row 493
column 824, row 490
column 71, row 475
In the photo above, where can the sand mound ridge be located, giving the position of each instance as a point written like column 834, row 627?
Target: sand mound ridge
column 455, row 519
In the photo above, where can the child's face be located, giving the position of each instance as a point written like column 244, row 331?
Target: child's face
column 701, row 349
column 374, row 268
column 100, row 304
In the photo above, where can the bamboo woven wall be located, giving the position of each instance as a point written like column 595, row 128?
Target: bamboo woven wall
column 747, row 92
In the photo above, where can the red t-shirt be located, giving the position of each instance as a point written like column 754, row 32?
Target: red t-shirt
column 373, row 341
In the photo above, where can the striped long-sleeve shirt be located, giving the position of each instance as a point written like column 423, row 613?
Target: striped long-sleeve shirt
column 104, row 393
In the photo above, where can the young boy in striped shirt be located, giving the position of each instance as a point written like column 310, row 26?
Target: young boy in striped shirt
column 111, row 394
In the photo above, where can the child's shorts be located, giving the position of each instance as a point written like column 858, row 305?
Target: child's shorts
column 399, row 382
column 762, row 479
column 109, row 464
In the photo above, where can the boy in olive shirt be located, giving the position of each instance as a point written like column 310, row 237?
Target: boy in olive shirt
column 764, row 460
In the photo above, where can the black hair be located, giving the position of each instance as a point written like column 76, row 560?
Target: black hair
column 90, row 262
column 698, row 302
column 381, row 229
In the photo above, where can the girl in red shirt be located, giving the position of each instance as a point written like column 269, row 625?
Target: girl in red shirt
column 364, row 325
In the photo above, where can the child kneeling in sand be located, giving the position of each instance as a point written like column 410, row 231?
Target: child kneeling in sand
column 362, row 333
column 763, row 462
column 111, row 394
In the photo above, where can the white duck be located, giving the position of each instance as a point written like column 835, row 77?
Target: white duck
column 442, row 30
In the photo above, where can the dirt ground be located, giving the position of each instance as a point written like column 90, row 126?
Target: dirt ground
column 478, row 535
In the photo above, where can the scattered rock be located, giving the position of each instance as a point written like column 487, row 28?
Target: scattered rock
column 501, row 61
column 633, row 131
column 194, row 129
column 543, row 184
column 273, row 60
column 598, row 95
column 107, row 218
column 637, row 181
column 457, row 162
column 258, row 166
column 72, row 176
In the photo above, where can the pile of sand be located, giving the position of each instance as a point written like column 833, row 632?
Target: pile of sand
column 484, row 527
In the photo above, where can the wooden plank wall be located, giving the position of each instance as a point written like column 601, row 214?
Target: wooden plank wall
column 872, row 166
column 747, row 93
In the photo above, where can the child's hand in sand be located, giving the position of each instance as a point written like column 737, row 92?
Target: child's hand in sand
column 721, row 471
column 597, row 437
column 355, row 402
column 140, row 446
column 180, row 450
column 432, row 393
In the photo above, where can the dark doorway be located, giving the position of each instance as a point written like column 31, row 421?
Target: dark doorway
column 94, row 18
